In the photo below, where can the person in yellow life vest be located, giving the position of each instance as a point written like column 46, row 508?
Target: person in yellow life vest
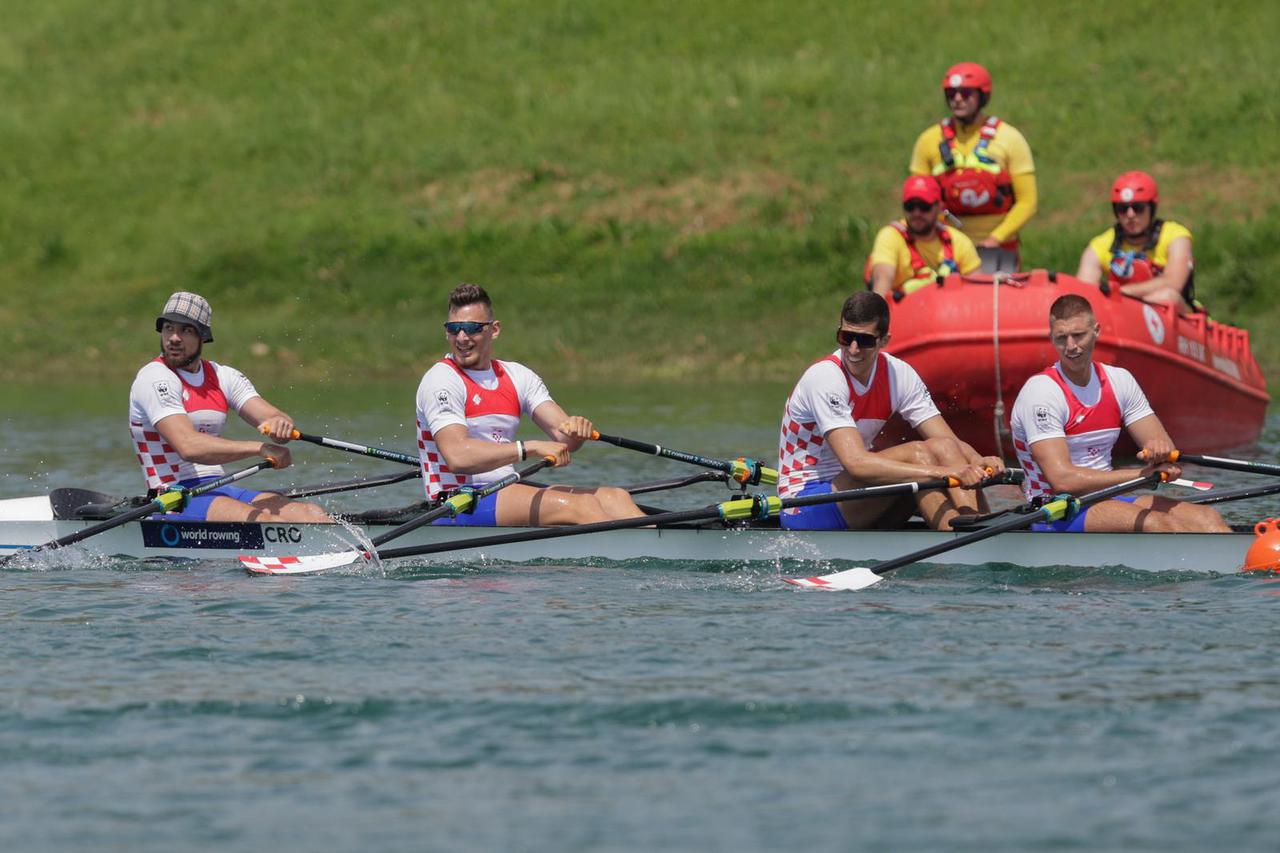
column 983, row 164
column 914, row 251
column 1146, row 257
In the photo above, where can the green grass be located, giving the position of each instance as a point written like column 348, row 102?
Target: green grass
column 660, row 190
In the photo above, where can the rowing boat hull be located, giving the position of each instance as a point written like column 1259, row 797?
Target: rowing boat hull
column 178, row 540
column 975, row 345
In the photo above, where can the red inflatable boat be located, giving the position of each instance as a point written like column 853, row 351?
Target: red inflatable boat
column 976, row 339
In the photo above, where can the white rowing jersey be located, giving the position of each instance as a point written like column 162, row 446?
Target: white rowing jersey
column 1089, row 417
column 827, row 397
column 203, row 395
column 489, row 403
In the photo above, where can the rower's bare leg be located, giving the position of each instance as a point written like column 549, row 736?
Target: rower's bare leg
column 520, row 505
column 617, row 503
column 935, row 507
column 266, row 508
column 1153, row 514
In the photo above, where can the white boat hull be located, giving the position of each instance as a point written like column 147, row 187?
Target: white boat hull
column 182, row 540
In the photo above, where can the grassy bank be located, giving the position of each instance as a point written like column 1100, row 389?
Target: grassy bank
column 660, row 190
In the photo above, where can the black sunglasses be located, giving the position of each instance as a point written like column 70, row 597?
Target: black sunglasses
column 916, row 206
column 469, row 326
column 864, row 340
column 1138, row 207
column 963, row 91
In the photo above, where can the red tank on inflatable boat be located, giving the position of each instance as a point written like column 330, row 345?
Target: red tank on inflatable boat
column 975, row 342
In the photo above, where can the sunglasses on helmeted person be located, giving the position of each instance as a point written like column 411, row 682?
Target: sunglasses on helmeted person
column 963, row 91
column 1138, row 207
column 916, row 206
column 471, row 327
column 864, row 340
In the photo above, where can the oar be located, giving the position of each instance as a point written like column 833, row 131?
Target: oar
column 680, row 483
column 351, row 485
column 362, row 449
column 1242, row 493
column 739, row 509
column 461, row 502
column 742, row 469
column 163, row 502
column 1227, row 464
column 1054, row 510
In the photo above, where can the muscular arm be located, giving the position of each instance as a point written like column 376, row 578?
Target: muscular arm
column 1090, row 271
column 467, row 455
column 1024, row 207
column 1054, row 459
column 873, row 468
column 195, row 446
column 882, row 279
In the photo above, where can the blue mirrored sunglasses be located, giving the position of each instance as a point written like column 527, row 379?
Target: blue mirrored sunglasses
column 471, row 327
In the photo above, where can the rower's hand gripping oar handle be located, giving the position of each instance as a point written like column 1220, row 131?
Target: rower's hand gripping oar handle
column 744, row 470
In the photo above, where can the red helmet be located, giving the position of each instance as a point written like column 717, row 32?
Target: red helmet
column 967, row 75
column 1135, row 186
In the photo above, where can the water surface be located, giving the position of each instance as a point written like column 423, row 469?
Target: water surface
column 634, row 706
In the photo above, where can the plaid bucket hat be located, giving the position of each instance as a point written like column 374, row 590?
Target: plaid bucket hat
column 184, row 307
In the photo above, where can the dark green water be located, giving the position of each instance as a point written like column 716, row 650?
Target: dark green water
column 635, row 706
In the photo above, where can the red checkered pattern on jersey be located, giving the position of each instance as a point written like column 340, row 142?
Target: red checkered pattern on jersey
column 161, row 464
column 1034, row 483
column 435, row 471
column 796, row 461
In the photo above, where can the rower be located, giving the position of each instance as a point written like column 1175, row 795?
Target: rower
column 178, row 409
column 831, row 422
column 983, row 163
column 1146, row 257
column 918, row 250
column 469, row 405
column 1067, row 420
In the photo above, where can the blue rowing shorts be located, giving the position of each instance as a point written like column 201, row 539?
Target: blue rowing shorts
column 197, row 509
column 485, row 514
column 1073, row 525
column 818, row 517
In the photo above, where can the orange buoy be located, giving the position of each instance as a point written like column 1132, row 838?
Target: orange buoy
column 1264, row 553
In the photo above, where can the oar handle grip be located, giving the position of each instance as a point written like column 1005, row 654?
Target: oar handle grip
column 294, row 434
column 1173, row 456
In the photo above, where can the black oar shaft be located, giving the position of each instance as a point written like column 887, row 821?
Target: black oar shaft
column 754, row 472
column 1010, row 524
column 361, row 449
column 1239, row 494
column 679, row 517
column 351, row 485
column 1231, row 464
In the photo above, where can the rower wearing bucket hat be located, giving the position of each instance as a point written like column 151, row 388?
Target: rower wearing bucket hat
column 1146, row 257
column 177, row 410
column 917, row 250
column 983, row 163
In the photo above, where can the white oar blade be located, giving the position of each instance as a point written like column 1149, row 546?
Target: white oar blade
column 849, row 579
column 299, row 565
